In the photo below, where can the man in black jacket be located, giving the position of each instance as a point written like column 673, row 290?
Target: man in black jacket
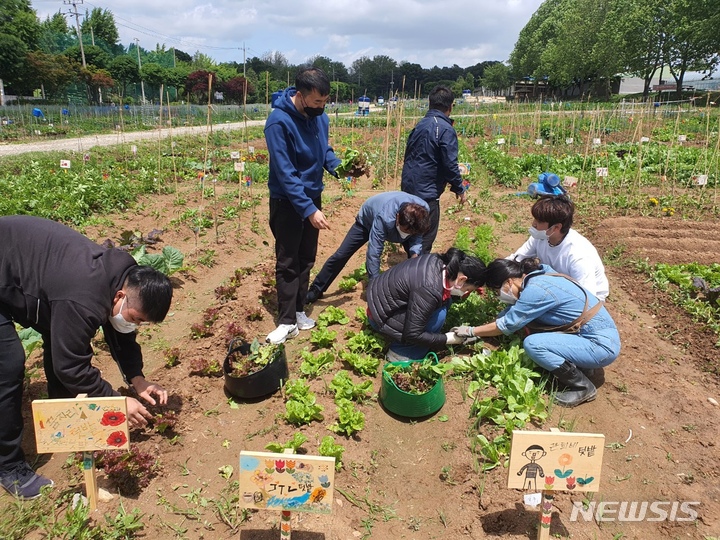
column 431, row 159
column 65, row 286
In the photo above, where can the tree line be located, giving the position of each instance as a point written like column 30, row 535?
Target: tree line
column 587, row 43
column 53, row 59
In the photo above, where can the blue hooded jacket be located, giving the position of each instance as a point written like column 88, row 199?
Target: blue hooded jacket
column 299, row 151
column 431, row 158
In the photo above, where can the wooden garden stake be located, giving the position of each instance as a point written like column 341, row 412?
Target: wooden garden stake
column 559, row 462
column 84, row 425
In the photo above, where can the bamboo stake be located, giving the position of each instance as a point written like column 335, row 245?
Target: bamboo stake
column 160, row 132
column 401, row 111
column 172, row 150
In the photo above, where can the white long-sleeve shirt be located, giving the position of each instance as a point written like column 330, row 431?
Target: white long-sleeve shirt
column 574, row 256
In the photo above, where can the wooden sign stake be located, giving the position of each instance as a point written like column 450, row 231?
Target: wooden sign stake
column 91, row 487
column 545, row 515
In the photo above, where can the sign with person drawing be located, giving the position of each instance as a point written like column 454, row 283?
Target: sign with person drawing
column 555, row 461
column 287, row 482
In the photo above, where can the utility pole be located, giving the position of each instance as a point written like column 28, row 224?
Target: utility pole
column 74, row 4
column 142, row 84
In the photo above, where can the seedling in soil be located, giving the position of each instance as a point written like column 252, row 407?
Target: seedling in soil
column 295, row 443
column 347, row 284
column 260, row 355
column 131, row 471
column 207, row 367
column 446, row 475
column 328, row 448
column 361, row 364
column 225, row 293
column 350, row 420
column 332, row 315
column 315, row 364
column 345, row 389
column 323, row 338
column 234, row 331
column 301, row 406
column 172, row 357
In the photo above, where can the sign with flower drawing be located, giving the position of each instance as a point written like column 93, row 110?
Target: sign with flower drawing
column 555, row 461
column 289, row 482
column 81, row 424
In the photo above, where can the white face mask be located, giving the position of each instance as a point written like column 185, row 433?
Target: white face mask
column 457, row 292
column 507, row 298
column 402, row 234
column 119, row 323
column 538, row 235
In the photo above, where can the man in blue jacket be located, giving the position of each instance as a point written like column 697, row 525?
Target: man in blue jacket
column 431, row 159
column 393, row 216
column 297, row 137
column 66, row 286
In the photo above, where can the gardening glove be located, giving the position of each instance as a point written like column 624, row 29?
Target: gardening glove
column 471, row 340
column 463, row 331
column 453, row 339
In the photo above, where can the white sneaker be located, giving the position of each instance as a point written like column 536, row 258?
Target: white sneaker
column 303, row 321
column 281, row 333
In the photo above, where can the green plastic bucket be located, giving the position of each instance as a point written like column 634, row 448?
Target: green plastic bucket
column 410, row 405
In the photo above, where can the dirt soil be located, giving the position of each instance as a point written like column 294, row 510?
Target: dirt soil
column 416, row 479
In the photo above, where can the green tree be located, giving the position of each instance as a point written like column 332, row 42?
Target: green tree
column 99, row 25
column 55, row 35
column 124, row 69
column 52, row 72
column 497, row 77
column 12, row 58
column 692, row 42
column 18, row 19
column 154, row 76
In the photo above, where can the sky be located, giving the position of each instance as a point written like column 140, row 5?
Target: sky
column 426, row 32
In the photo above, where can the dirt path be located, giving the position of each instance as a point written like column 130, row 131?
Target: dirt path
column 82, row 144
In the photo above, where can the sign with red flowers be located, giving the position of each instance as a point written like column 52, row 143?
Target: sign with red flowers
column 81, row 424
column 555, row 461
column 286, row 482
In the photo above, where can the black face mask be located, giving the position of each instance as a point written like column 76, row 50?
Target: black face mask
column 312, row 112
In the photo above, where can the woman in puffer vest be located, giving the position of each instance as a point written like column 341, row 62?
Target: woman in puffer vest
column 408, row 303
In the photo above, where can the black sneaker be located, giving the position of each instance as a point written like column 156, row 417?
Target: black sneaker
column 313, row 295
column 23, row 482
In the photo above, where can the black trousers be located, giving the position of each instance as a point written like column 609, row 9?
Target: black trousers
column 296, row 242
column 12, row 375
column 356, row 238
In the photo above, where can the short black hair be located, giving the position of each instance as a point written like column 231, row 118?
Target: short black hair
column 154, row 291
column 441, row 98
column 414, row 218
column 312, row 78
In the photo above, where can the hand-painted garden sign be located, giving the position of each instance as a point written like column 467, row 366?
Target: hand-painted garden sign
column 81, row 424
column 64, row 163
column 286, row 482
column 554, row 461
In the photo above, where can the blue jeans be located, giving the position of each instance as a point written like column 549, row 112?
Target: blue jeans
column 419, row 351
column 549, row 350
